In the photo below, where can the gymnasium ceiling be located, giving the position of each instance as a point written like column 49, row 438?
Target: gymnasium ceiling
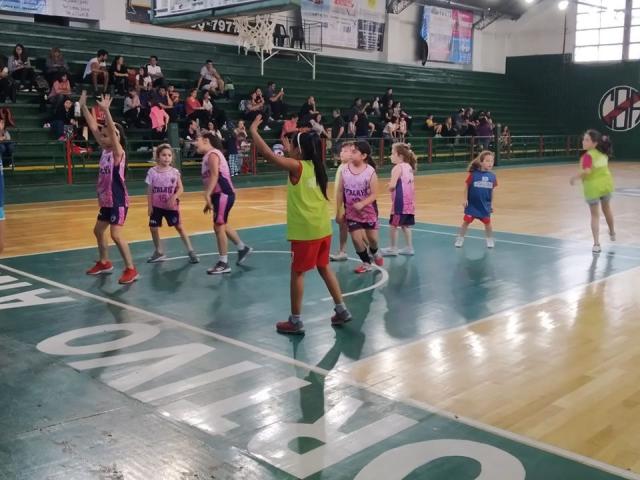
column 510, row 8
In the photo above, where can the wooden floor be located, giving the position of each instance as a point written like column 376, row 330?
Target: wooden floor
column 563, row 370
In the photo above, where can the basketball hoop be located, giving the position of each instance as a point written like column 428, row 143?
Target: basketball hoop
column 255, row 33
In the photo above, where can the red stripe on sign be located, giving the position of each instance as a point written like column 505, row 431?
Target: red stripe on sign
column 628, row 103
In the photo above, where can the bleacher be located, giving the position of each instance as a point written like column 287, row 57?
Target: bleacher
column 421, row 90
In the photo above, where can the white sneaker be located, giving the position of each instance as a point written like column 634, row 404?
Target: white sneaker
column 407, row 251
column 267, row 128
column 459, row 242
column 612, row 236
column 491, row 242
column 596, row 249
column 339, row 257
column 389, row 252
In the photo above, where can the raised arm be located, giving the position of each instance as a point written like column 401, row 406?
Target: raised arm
column 118, row 151
column 289, row 164
column 89, row 118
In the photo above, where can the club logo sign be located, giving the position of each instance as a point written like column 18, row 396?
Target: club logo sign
column 619, row 108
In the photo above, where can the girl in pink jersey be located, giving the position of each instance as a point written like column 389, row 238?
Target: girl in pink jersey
column 113, row 198
column 163, row 193
column 403, row 195
column 220, row 197
column 359, row 186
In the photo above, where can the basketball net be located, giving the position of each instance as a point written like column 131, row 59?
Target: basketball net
column 255, row 33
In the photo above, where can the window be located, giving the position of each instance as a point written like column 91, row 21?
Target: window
column 600, row 31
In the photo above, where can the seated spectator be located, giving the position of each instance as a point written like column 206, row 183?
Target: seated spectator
column 400, row 113
column 358, row 107
column 155, row 72
column 97, row 69
column 178, row 104
column 143, row 80
column 433, row 127
column 194, row 109
column 7, row 147
column 163, row 100
column 316, row 125
column 119, row 75
column 132, row 110
column 364, row 128
column 56, row 66
column 21, row 69
column 308, row 109
column 189, row 136
column 213, row 129
column 389, row 131
column 7, row 84
column 289, row 126
column 276, row 102
column 210, row 79
column 351, row 127
column 387, row 111
column 159, row 121
column 256, row 106
column 215, row 114
column 387, row 97
column 60, row 90
column 402, row 130
column 375, row 107
column 63, row 116
column 448, row 129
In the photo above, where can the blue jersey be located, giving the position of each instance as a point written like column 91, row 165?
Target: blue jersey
column 481, row 185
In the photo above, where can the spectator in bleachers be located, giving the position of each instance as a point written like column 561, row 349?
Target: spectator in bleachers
column 213, row 129
column 290, row 126
column 7, row 84
column 308, row 109
column 351, row 126
column 375, row 107
column 119, row 75
column 63, row 116
column 216, row 114
column 432, row 127
column 400, row 113
column 387, row 111
column 402, row 130
column 155, row 72
column 448, row 129
column 21, row 69
column 143, row 79
column 317, row 126
column 55, row 66
column 194, row 109
column 358, row 108
column 484, row 131
column 163, row 100
column 132, row 110
column 7, row 147
column 338, row 133
column 364, row 128
column 505, row 140
column 389, row 131
column 60, row 90
column 256, row 106
column 178, row 104
column 210, row 79
column 276, row 102
column 97, row 69
column 459, row 121
column 159, row 121
column 388, row 96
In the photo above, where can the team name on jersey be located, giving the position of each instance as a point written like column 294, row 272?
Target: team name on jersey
column 484, row 183
column 106, row 170
column 163, row 189
column 357, row 193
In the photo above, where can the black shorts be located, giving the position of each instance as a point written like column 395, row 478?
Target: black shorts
column 172, row 217
column 353, row 226
column 222, row 204
column 113, row 215
column 402, row 220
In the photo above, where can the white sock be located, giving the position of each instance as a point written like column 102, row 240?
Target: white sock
column 224, row 258
column 240, row 245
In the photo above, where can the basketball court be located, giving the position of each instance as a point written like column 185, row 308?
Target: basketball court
column 460, row 363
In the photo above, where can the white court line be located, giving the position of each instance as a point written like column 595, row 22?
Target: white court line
column 267, row 209
column 383, row 280
column 342, row 377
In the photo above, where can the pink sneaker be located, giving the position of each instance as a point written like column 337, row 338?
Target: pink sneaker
column 363, row 268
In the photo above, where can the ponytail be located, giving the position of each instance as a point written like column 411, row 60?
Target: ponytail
column 408, row 155
column 310, row 147
column 475, row 163
column 603, row 142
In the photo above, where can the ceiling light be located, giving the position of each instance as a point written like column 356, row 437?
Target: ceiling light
column 563, row 4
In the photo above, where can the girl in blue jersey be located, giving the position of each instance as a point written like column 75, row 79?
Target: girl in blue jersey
column 478, row 196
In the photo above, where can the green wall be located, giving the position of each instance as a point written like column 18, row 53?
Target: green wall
column 573, row 91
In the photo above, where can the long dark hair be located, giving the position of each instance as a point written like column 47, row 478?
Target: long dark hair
column 603, row 142
column 24, row 56
column 123, row 136
column 363, row 147
column 310, row 147
column 214, row 140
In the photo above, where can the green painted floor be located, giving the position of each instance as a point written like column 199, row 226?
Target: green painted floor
column 182, row 376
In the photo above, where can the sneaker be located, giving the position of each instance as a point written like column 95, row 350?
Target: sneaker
column 612, row 236
column 129, row 275
column 243, row 254
column 219, row 268
column 389, row 252
column 100, row 268
column 407, row 251
column 459, row 242
column 378, row 260
column 596, row 249
column 156, row 257
column 290, row 328
column 339, row 257
column 491, row 242
column 364, row 268
column 267, row 129
column 340, row 318
column 193, row 258
column 46, row 125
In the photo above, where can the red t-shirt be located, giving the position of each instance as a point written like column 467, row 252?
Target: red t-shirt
column 191, row 105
